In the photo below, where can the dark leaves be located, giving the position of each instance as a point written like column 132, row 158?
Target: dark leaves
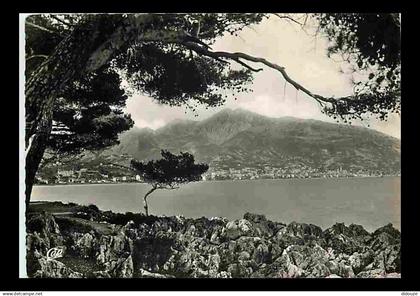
column 171, row 170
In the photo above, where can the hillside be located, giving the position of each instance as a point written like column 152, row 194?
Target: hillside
column 248, row 139
column 246, row 143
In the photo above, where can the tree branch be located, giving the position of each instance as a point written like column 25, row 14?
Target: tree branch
column 247, row 66
column 42, row 28
column 37, row 56
column 288, row 18
column 150, row 192
column 239, row 55
column 106, row 50
column 61, row 21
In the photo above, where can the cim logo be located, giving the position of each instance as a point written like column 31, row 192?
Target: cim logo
column 55, row 253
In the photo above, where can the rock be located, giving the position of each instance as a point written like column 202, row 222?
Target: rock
column 332, row 266
column 110, row 248
column 147, row 274
column 43, row 233
column 345, row 239
column 262, row 226
column 244, row 255
column 83, row 244
column 123, row 268
column 359, row 261
column 163, row 247
column 240, row 269
column 373, row 273
column 261, row 254
column 393, row 275
column 101, row 274
column 388, row 229
column 286, row 269
column 333, row 276
column 303, row 230
column 319, row 270
column 389, row 260
column 345, row 271
column 55, row 269
column 236, row 229
column 382, row 240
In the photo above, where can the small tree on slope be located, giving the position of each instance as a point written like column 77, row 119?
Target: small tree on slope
column 169, row 172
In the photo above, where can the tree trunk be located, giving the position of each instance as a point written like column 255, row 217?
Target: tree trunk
column 91, row 45
column 146, row 208
column 64, row 65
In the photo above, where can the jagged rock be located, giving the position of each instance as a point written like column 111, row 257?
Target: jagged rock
column 389, row 229
column 123, row 268
column 43, row 233
column 236, row 229
column 147, row 274
column 55, row 269
column 333, row 276
column 303, row 230
column 83, row 244
column 345, row 270
column 243, row 256
column 262, row 226
column 112, row 247
column 389, row 259
column 261, row 254
column 101, row 274
column 217, row 248
column 393, row 275
column 373, row 273
column 359, row 261
column 345, row 239
column 286, row 269
column 382, row 240
column 298, row 234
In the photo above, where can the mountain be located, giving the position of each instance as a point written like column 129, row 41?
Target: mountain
column 242, row 144
column 239, row 137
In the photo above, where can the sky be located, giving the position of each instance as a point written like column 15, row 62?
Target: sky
column 305, row 60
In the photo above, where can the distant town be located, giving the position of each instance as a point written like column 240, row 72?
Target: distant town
column 115, row 173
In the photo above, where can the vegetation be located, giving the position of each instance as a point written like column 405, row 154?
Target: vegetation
column 76, row 63
column 169, row 172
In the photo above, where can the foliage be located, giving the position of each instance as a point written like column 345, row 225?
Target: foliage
column 176, row 77
column 88, row 115
column 372, row 44
column 75, row 65
column 170, row 171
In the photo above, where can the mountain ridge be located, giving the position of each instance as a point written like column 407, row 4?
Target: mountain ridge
column 241, row 137
column 240, row 144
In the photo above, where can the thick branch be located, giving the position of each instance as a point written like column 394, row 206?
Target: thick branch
column 239, row 55
column 42, row 28
column 37, row 56
column 61, row 21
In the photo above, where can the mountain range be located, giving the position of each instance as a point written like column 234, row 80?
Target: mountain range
column 240, row 137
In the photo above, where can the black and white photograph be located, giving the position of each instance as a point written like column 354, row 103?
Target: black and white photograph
column 210, row 145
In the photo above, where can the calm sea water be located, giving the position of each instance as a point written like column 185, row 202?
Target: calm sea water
column 371, row 202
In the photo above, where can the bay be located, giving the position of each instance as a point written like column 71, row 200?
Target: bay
column 371, row 202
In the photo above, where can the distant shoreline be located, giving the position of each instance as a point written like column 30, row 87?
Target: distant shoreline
column 229, row 180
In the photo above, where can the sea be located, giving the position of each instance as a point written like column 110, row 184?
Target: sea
column 371, row 201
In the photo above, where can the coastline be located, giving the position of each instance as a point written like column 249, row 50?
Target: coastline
column 99, row 244
column 227, row 180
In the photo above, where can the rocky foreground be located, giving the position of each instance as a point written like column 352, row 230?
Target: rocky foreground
column 101, row 244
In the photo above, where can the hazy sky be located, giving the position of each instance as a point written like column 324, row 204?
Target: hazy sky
column 305, row 60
